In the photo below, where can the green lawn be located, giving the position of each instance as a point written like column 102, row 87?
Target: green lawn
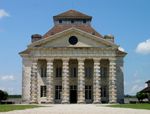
column 6, row 108
column 134, row 106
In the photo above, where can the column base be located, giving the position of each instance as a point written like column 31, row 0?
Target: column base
column 97, row 102
column 49, row 102
column 65, row 102
column 33, row 102
column 81, row 102
column 113, row 103
column 25, row 102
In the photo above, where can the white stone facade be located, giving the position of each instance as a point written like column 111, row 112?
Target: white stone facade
column 54, row 71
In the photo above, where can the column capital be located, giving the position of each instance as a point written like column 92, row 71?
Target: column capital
column 34, row 60
column 81, row 59
column 65, row 59
column 49, row 59
column 112, row 59
column 96, row 59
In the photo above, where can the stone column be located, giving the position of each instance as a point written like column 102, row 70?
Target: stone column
column 34, row 83
column 81, row 81
column 26, row 78
column 50, row 86
column 65, row 81
column 97, row 81
column 112, row 81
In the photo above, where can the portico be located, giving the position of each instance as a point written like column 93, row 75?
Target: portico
column 78, row 72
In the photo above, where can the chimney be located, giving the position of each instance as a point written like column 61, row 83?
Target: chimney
column 109, row 38
column 35, row 37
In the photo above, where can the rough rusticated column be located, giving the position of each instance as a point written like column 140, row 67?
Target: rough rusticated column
column 26, row 78
column 65, row 81
column 97, row 81
column 34, row 83
column 81, row 81
column 112, row 81
column 50, row 86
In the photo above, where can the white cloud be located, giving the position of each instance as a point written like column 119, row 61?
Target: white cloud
column 7, row 77
column 3, row 13
column 143, row 47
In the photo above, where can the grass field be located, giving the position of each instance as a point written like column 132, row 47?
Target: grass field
column 134, row 106
column 6, row 108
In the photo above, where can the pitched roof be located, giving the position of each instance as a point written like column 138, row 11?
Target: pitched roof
column 72, row 14
column 62, row 27
column 146, row 90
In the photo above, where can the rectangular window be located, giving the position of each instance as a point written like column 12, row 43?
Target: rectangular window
column 60, row 21
column 43, row 91
column 73, row 72
column 58, row 72
column 84, row 21
column 72, row 21
column 58, row 90
column 43, row 72
column 88, row 72
column 88, row 92
column 73, row 87
column 104, row 71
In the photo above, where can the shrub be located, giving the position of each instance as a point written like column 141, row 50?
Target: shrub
column 3, row 95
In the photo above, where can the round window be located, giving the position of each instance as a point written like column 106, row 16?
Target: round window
column 73, row 40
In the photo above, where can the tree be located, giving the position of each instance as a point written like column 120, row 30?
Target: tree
column 140, row 96
column 3, row 95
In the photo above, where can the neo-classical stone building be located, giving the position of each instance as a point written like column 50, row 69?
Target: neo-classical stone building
column 72, row 63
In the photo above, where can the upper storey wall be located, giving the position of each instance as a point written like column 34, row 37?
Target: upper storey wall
column 72, row 21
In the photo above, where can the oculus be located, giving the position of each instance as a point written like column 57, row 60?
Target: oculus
column 73, row 40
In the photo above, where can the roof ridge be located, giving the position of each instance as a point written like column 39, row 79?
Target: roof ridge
column 72, row 14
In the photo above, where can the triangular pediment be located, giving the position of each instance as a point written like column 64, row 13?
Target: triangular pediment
column 84, row 39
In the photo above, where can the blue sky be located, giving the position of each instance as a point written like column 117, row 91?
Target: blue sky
column 127, row 20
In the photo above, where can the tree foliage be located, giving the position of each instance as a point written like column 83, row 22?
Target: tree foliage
column 3, row 95
column 140, row 96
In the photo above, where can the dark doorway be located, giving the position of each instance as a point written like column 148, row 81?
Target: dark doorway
column 73, row 94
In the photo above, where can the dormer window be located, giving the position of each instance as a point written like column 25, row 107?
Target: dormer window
column 72, row 21
column 60, row 21
column 84, row 21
